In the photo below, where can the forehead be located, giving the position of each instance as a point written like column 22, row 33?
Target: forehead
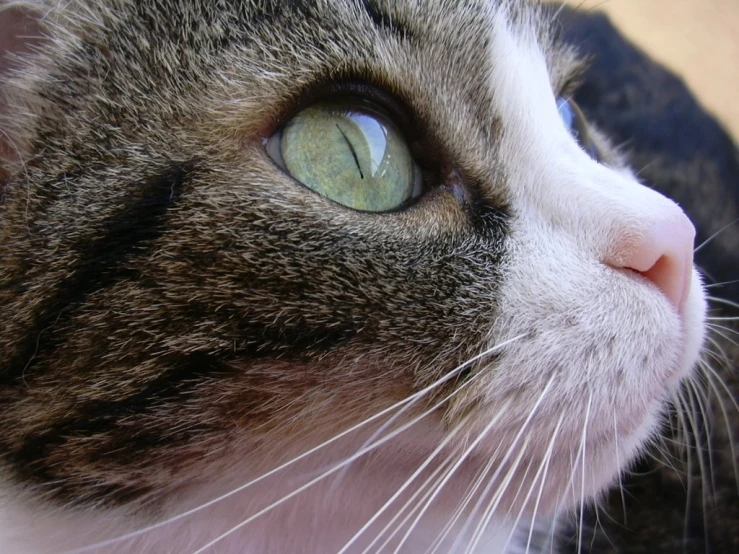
column 416, row 45
column 461, row 29
column 439, row 56
column 444, row 59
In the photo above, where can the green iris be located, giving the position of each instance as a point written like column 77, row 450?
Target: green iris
column 349, row 151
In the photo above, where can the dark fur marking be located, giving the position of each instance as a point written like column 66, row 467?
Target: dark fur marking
column 139, row 223
column 384, row 22
column 34, row 459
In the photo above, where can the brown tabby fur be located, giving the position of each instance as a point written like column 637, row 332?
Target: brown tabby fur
column 160, row 275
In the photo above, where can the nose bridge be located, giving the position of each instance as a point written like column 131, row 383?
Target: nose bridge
column 607, row 212
column 621, row 223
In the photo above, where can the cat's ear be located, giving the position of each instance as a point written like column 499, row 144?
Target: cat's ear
column 20, row 32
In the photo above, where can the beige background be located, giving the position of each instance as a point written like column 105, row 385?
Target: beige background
column 697, row 38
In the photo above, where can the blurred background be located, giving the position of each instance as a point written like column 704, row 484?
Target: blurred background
column 699, row 39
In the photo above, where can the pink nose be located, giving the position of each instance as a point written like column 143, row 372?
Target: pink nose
column 664, row 255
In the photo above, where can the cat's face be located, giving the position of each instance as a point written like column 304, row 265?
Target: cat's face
column 178, row 302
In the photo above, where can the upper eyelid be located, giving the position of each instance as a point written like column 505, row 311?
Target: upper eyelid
column 425, row 141
column 337, row 87
column 574, row 79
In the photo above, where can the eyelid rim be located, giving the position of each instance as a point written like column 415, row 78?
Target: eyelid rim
column 425, row 145
column 323, row 90
column 424, row 142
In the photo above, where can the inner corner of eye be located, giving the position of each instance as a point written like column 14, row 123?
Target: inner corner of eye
column 273, row 147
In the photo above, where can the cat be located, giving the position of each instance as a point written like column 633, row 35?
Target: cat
column 322, row 276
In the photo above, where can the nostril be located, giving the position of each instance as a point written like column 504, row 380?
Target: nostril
column 669, row 276
column 664, row 255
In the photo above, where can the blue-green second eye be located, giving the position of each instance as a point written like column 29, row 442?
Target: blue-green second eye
column 349, row 151
column 575, row 123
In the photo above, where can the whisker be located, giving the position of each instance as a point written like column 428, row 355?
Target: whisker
column 713, row 236
column 441, row 446
column 545, row 467
column 399, row 414
column 477, row 535
column 701, row 399
column 712, row 377
column 471, row 490
column 537, row 503
column 522, row 480
column 553, row 525
column 583, row 441
column 724, row 356
column 664, row 459
column 491, row 480
column 716, row 285
column 724, row 301
column 723, row 384
column 681, row 410
column 720, row 331
column 435, row 476
column 598, row 523
column 413, row 398
column 692, row 393
column 481, row 498
column 333, row 470
column 645, row 167
column 724, row 328
column 462, row 458
column 495, row 500
column 722, row 318
column 426, row 499
column 618, row 463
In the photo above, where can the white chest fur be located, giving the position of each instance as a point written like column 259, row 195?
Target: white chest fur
column 295, row 528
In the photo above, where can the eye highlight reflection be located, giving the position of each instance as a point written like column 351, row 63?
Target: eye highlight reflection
column 350, row 151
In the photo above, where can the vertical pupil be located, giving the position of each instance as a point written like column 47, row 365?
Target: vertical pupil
column 352, row 150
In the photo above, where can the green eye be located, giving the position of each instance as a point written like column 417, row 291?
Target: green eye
column 349, row 151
